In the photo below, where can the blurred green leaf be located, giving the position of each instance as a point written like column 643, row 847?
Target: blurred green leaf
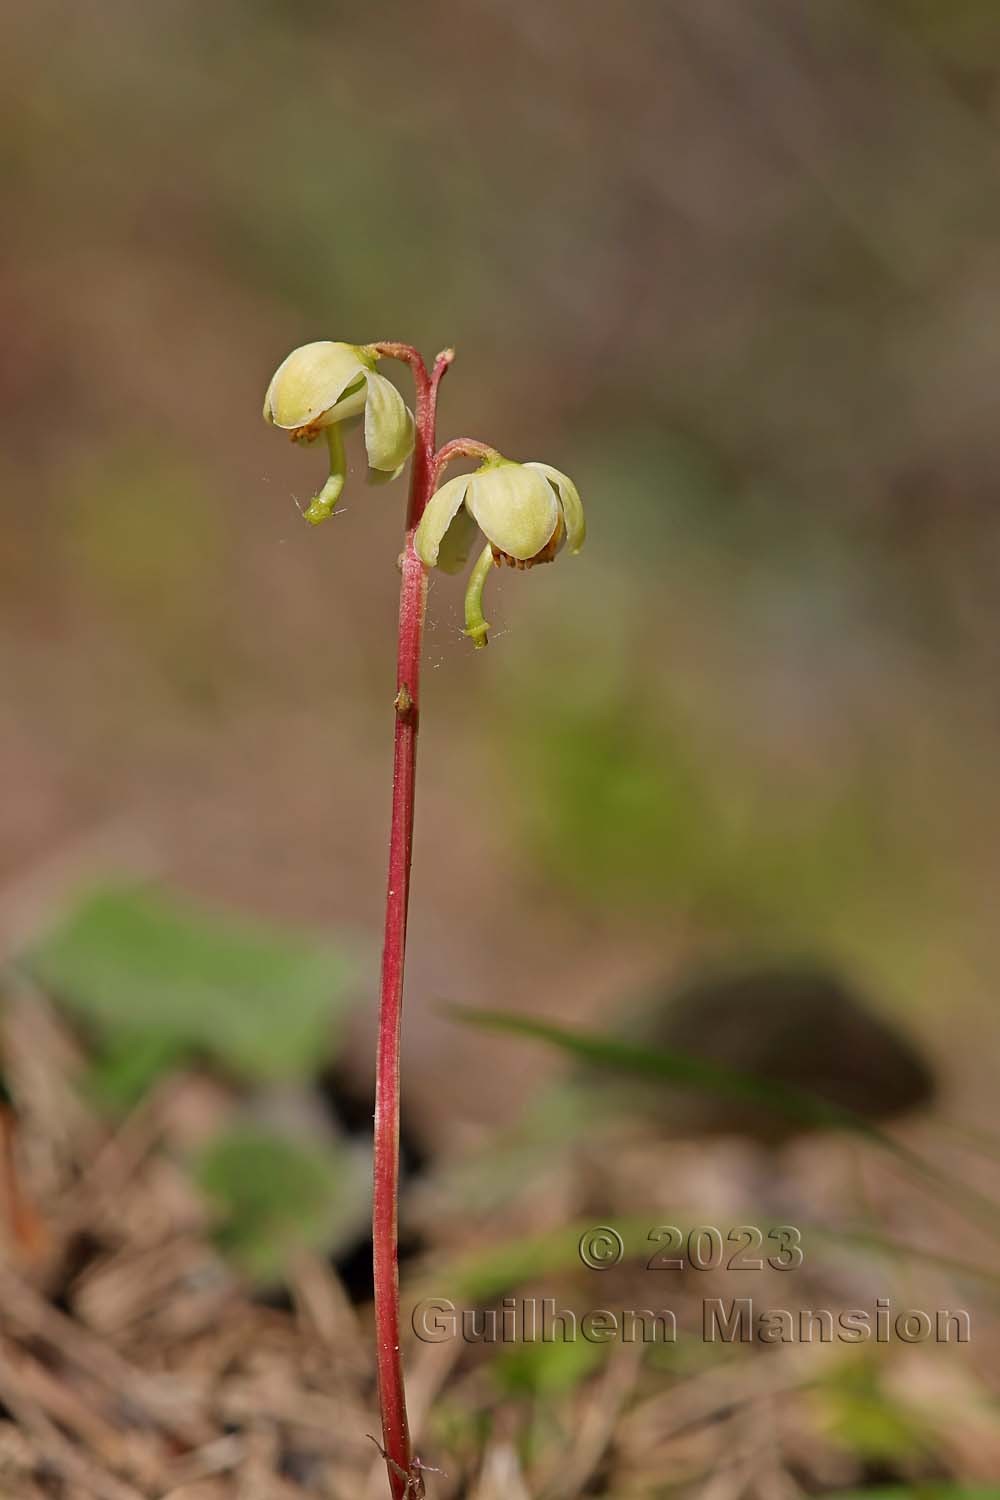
column 625, row 798
column 675, row 1068
column 157, row 978
column 124, row 1066
column 276, row 1196
column 684, row 1071
column 932, row 1491
column 479, row 1275
column 546, row 1369
column 614, row 807
column 864, row 1418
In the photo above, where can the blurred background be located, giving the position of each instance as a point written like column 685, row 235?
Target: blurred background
column 733, row 267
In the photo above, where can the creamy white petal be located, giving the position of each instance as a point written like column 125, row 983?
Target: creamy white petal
column 388, row 424
column 516, row 508
column 442, row 508
column 310, row 382
column 569, row 499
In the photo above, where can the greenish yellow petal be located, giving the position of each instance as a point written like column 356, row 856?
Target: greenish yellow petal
column 310, row 383
column 457, row 542
column 379, row 477
column 388, row 424
column 569, row 499
column 516, row 508
column 442, row 508
column 351, row 404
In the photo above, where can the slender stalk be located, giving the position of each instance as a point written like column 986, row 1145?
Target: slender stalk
column 477, row 627
column 295, row 382
column 461, row 447
column 405, row 1479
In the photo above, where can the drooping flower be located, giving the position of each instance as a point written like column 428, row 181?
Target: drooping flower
column 321, row 386
column 527, row 512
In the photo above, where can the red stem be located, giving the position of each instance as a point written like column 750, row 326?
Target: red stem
column 404, row 1475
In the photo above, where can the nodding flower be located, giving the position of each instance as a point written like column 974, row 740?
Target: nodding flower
column 527, row 513
column 321, row 386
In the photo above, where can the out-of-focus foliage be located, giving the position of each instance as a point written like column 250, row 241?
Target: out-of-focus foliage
column 628, row 806
column 732, row 267
column 275, row 1196
column 864, row 1416
column 160, row 980
column 678, row 1070
column 942, row 1491
column 546, row 1369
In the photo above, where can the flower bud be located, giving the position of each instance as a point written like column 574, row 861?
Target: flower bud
column 317, row 385
column 525, row 511
column 322, row 385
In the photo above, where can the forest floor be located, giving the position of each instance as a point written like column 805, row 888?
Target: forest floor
column 136, row 1363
